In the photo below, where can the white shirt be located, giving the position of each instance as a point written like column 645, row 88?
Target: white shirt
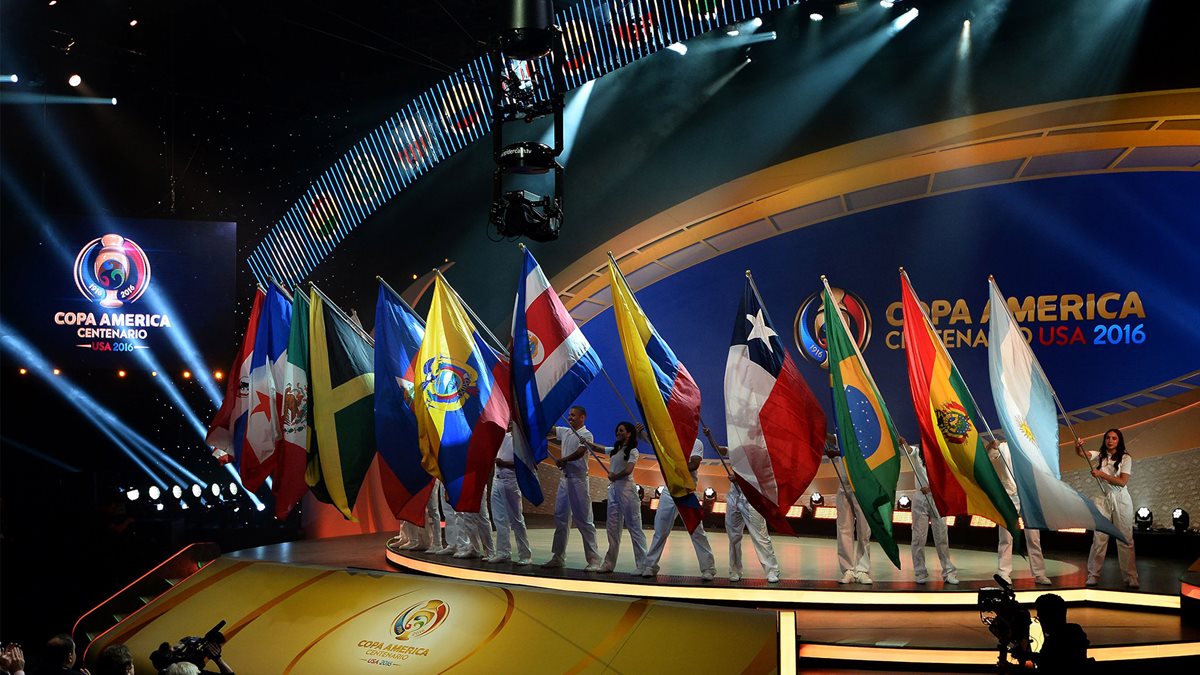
column 1002, row 462
column 1108, row 467
column 506, row 448
column 569, row 439
column 920, row 475
column 697, row 451
column 617, row 462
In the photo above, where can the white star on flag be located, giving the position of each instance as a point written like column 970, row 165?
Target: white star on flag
column 761, row 330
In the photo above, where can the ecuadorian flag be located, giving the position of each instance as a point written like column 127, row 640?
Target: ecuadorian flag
column 866, row 434
column 460, row 401
column 961, row 476
column 666, row 394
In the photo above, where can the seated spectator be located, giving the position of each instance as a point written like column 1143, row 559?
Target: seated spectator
column 182, row 668
column 115, row 660
column 59, row 657
column 1064, row 645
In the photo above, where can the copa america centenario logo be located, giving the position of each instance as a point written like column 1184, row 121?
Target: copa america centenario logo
column 420, row 619
column 112, row 270
column 809, row 325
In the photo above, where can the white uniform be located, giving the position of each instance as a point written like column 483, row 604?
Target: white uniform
column 1002, row 461
column 469, row 534
column 665, row 518
column 924, row 514
column 573, row 503
column 427, row 537
column 1117, row 506
column 624, row 507
column 853, row 531
column 506, row 508
column 740, row 515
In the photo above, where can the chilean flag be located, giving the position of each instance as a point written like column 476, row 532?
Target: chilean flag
column 775, row 427
column 552, row 363
column 263, row 426
column 227, row 430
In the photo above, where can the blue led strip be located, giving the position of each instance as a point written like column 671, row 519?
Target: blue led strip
column 599, row 36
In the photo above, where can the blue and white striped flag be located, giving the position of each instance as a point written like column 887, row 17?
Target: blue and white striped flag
column 1025, row 405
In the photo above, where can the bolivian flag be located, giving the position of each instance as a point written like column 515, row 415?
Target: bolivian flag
column 666, row 393
column 866, row 434
column 961, row 476
column 341, row 365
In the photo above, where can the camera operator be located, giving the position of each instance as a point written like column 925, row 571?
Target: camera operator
column 1064, row 645
column 194, row 651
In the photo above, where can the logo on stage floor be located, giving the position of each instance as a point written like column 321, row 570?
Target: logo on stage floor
column 112, row 270
column 420, row 619
column 809, row 325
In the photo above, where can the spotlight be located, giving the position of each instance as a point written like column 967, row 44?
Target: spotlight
column 176, row 492
column 904, row 503
column 196, row 490
column 216, row 489
column 23, row 371
column 56, row 371
column 1144, row 518
column 132, row 22
column 120, row 373
column 756, row 22
column 733, row 32
column 233, row 489
column 154, row 493
column 261, row 506
column 114, row 100
column 710, row 494
column 74, row 80
column 154, row 373
column 13, row 78
column 1180, row 519
column 966, row 24
column 218, row 375
column 132, row 494
column 187, row 374
column 816, row 499
column 183, row 505
column 816, row 17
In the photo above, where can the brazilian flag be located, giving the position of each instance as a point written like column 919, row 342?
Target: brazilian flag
column 865, row 431
column 342, row 381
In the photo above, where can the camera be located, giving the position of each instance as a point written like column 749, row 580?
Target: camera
column 191, row 649
column 1006, row 619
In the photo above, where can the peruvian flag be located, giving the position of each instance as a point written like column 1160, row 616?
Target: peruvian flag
column 227, row 430
column 775, row 427
column 552, row 363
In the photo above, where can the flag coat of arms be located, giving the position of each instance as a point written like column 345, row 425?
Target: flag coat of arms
column 292, row 449
column 774, row 425
column 263, row 427
column 552, row 363
column 1025, row 405
column 667, row 396
column 398, row 335
column 460, row 401
column 961, row 476
column 866, row 434
column 227, row 432
column 342, row 374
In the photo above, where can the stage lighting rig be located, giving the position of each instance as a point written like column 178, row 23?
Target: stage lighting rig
column 1143, row 518
column 1180, row 520
column 528, row 84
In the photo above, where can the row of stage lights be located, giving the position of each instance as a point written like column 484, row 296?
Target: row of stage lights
column 187, row 374
column 154, row 495
column 1143, row 518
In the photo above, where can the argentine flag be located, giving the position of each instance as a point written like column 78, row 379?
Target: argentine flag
column 1025, row 405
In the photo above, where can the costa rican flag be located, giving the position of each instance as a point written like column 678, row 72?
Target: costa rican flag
column 552, row 363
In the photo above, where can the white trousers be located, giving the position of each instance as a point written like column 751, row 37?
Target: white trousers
column 468, row 531
column 924, row 514
column 573, row 505
column 663, row 520
column 1033, row 546
column 433, row 520
column 1118, row 507
column 739, row 515
column 507, row 514
column 853, row 535
column 624, row 509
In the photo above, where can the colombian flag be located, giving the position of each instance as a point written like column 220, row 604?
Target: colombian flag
column 460, row 401
column 865, row 431
column 666, row 394
column 961, row 476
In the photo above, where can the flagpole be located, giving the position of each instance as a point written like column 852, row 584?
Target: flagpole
column 401, row 299
column 1067, row 418
column 474, row 317
column 283, row 290
column 585, row 443
column 713, row 442
column 357, row 328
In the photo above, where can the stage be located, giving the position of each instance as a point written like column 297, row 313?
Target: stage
column 350, row 604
